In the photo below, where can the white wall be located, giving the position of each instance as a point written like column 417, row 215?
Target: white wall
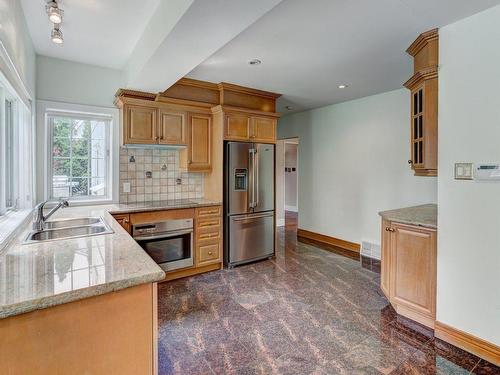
column 353, row 164
column 469, row 212
column 291, row 177
column 16, row 39
column 280, row 181
column 70, row 82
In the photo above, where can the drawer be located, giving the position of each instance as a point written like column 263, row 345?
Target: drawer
column 215, row 235
column 209, row 252
column 208, row 211
column 211, row 222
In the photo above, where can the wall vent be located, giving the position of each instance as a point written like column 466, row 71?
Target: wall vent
column 370, row 249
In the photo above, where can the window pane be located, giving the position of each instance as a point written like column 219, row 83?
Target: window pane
column 79, row 157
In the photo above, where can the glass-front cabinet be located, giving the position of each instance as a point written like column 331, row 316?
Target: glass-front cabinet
column 423, row 86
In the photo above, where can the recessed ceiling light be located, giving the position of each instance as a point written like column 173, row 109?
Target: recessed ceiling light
column 289, row 107
column 57, row 35
column 343, row 86
column 255, row 62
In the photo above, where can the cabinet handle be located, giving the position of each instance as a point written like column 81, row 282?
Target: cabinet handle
column 389, row 229
column 209, row 253
column 410, row 161
column 156, row 138
column 209, row 224
column 125, row 221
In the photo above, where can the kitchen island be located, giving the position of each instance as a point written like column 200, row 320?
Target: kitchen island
column 408, row 264
column 80, row 305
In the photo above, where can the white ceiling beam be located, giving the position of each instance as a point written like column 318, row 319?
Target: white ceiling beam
column 184, row 33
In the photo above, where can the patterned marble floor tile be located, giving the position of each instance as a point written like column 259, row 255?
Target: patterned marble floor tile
column 308, row 311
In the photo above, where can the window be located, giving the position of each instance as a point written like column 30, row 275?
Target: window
column 79, row 161
column 10, row 194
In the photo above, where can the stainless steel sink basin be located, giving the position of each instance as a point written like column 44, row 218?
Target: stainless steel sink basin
column 71, row 228
column 68, row 223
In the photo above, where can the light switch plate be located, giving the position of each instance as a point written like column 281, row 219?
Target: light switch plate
column 464, row 171
column 126, row 187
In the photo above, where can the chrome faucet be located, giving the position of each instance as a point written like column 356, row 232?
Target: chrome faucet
column 39, row 218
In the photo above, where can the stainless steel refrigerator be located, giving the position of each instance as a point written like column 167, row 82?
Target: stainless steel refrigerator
column 248, row 202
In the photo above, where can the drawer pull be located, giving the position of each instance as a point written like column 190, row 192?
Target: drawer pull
column 208, row 235
column 209, row 253
column 209, row 224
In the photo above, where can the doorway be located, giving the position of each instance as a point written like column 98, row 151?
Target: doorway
column 287, row 182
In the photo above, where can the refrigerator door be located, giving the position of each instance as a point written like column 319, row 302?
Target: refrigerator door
column 264, row 177
column 251, row 237
column 239, row 178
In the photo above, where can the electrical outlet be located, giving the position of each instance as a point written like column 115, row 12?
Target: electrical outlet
column 126, row 187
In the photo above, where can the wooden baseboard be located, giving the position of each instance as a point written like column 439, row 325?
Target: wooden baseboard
column 346, row 245
column 191, row 271
column 468, row 342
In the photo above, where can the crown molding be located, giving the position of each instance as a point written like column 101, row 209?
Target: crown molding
column 422, row 40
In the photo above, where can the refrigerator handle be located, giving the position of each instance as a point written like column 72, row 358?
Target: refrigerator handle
column 251, row 194
column 256, row 178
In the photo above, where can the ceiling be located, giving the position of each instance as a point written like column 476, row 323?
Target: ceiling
column 309, row 48
column 98, row 32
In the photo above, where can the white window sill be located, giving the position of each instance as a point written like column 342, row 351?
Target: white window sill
column 11, row 224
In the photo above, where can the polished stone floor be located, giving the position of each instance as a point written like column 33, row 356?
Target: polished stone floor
column 309, row 311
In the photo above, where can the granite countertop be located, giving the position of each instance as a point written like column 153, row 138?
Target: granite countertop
column 161, row 205
column 424, row 215
column 40, row 275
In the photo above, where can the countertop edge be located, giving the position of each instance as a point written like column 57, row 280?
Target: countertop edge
column 424, row 216
column 78, row 295
column 130, row 210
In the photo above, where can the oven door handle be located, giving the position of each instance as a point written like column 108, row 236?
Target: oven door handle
column 163, row 235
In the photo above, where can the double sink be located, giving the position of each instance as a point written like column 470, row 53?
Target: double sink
column 69, row 228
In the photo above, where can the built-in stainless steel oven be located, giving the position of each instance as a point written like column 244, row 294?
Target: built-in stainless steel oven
column 169, row 243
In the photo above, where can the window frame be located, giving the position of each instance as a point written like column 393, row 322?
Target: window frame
column 44, row 177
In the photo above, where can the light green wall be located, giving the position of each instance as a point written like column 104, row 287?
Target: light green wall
column 70, row 82
column 468, row 293
column 16, row 39
column 353, row 164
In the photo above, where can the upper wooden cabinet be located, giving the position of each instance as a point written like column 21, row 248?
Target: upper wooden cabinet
column 200, row 142
column 423, row 87
column 172, row 127
column 247, row 127
column 237, row 127
column 139, row 124
column 263, row 129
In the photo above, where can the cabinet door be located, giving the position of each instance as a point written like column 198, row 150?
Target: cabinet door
column 123, row 220
column 385, row 258
column 263, row 129
column 140, row 124
column 417, row 127
column 172, row 128
column 200, row 142
column 237, row 127
column 413, row 269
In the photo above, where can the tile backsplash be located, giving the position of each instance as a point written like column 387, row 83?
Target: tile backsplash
column 167, row 181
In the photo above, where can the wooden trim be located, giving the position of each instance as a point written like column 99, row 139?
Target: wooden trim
column 231, row 109
column 421, row 76
column 126, row 93
column 346, row 245
column 422, row 40
column 247, row 90
column 468, row 342
column 183, row 102
column 192, row 271
column 197, row 83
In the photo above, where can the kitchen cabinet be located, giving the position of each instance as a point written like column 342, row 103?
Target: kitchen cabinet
column 208, row 236
column 247, row 127
column 199, row 148
column 172, row 127
column 423, row 86
column 408, row 274
column 140, row 124
column 123, row 220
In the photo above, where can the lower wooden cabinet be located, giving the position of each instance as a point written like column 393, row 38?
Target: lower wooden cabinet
column 208, row 241
column 408, row 272
column 123, row 220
